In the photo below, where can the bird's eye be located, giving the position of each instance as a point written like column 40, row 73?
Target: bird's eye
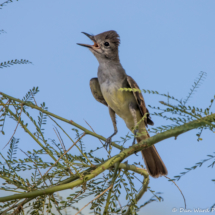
column 106, row 43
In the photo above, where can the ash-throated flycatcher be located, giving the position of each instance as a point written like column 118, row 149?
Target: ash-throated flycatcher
column 130, row 106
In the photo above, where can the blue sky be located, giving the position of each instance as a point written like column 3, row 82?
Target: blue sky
column 164, row 46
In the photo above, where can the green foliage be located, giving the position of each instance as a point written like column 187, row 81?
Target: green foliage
column 198, row 164
column 13, row 149
column 2, row 120
column 5, row 3
column 42, row 118
column 196, row 85
column 182, row 113
column 130, row 89
column 78, row 135
column 13, row 62
column 212, row 207
column 31, row 94
column 69, row 166
column 154, row 198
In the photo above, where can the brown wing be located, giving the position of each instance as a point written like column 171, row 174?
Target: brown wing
column 96, row 91
column 140, row 100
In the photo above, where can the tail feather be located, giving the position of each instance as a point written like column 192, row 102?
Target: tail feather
column 153, row 162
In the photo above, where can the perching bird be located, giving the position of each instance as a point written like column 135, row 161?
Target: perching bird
column 130, row 106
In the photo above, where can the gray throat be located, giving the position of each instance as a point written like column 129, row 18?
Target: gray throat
column 109, row 71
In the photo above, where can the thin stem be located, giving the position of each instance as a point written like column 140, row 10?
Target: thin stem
column 70, row 138
column 179, row 190
column 15, row 128
column 15, row 183
column 95, row 198
column 118, row 158
column 183, row 111
column 62, row 156
column 35, row 165
column 25, row 128
column 110, row 191
column 30, row 104
column 64, row 148
column 10, row 208
column 7, row 105
column 4, row 105
column 139, row 195
column 95, row 132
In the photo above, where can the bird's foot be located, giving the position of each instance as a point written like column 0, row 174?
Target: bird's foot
column 108, row 142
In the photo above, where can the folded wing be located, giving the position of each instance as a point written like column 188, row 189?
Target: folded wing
column 96, row 91
column 140, row 100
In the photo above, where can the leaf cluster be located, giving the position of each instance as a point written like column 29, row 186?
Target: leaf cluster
column 43, row 174
column 63, row 166
column 13, row 62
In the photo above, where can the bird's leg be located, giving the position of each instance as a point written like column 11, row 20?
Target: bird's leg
column 133, row 113
column 113, row 118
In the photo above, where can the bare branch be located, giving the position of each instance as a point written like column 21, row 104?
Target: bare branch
column 16, row 127
column 95, row 199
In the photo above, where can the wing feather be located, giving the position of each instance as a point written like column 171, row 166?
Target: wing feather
column 140, row 100
column 96, row 91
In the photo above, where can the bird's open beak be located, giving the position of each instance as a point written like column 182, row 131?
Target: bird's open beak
column 94, row 46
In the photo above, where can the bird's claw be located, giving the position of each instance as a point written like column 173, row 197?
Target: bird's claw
column 107, row 142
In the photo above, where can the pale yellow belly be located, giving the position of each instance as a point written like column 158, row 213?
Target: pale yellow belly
column 119, row 102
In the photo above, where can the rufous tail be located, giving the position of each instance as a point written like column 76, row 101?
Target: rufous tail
column 153, row 162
